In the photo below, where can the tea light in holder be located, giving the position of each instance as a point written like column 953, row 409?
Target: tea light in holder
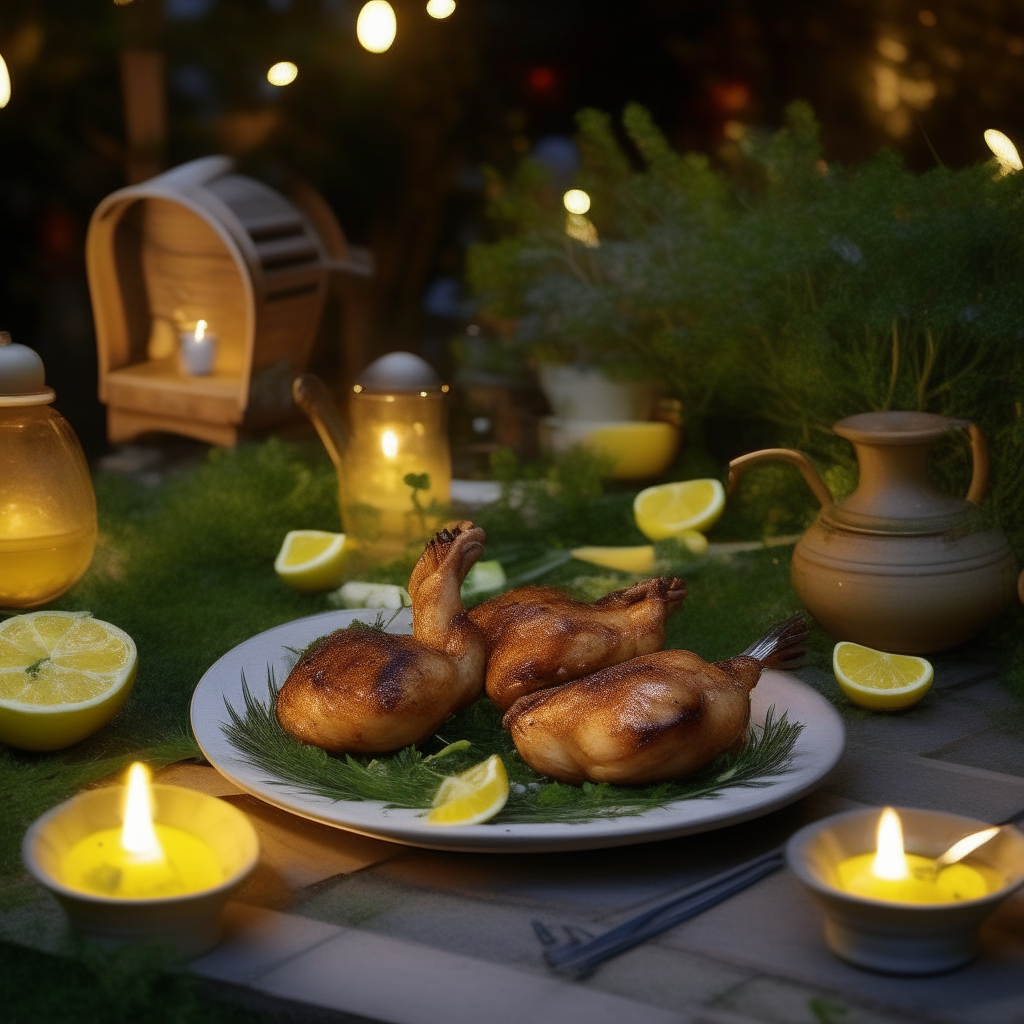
column 914, row 913
column 198, row 350
column 143, row 862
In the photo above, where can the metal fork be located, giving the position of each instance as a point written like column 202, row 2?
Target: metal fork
column 581, row 952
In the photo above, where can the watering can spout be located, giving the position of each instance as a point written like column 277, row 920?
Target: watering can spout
column 315, row 400
column 798, row 459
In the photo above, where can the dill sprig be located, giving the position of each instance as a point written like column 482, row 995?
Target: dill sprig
column 410, row 777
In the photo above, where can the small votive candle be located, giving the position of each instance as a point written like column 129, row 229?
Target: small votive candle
column 143, row 863
column 198, row 350
column 906, row 913
column 141, row 860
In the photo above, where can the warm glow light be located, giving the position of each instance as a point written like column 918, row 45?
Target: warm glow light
column 440, row 9
column 200, row 330
column 138, row 836
column 576, row 201
column 890, row 861
column 284, row 72
column 582, row 230
column 376, row 26
column 1005, row 151
column 5, row 84
column 389, row 443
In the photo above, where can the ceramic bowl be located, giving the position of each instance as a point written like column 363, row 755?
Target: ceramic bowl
column 186, row 925
column 640, row 448
column 901, row 938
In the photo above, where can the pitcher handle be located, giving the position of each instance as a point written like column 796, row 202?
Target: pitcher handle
column 979, row 454
column 798, row 459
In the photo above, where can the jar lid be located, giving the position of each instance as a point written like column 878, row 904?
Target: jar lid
column 22, row 375
column 399, row 372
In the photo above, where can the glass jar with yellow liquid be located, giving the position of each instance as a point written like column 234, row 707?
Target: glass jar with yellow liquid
column 392, row 459
column 47, row 504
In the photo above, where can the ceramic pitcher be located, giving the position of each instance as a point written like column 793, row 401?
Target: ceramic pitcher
column 898, row 565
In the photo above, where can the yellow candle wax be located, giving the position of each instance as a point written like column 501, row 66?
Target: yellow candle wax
column 181, row 864
column 922, row 884
column 895, row 876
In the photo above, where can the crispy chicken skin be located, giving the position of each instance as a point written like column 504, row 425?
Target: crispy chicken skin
column 657, row 717
column 538, row 637
column 363, row 691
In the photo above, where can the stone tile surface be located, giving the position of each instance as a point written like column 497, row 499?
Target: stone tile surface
column 876, row 776
column 257, row 941
column 405, row 983
column 773, row 928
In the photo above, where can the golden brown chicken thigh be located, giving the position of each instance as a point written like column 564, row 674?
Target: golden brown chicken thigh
column 538, row 637
column 363, row 691
column 657, row 717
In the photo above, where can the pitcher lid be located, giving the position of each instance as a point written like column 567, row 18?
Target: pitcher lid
column 22, row 375
column 399, row 372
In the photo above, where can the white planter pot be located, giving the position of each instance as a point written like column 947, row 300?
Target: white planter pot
column 587, row 394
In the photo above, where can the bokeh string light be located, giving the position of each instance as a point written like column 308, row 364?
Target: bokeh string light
column 376, row 26
column 440, row 9
column 5, row 84
column 284, row 72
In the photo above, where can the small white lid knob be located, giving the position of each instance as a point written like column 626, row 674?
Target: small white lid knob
column 21, row 370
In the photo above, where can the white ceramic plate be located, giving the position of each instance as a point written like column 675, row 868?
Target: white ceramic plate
column 817, row 750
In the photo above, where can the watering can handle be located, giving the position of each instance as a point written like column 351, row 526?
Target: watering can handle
column 979, row 453
column 798, row 459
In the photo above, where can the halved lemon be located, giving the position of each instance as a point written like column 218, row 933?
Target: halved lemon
column 669, row 510
column 62, row 676
column 311, row 560
column 633, row 559
column 883, row 682
column 472, row 797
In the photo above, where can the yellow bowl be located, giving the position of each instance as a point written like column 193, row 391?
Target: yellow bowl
column 639, row 448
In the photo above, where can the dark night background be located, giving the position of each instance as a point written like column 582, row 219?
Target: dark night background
column 395, row 141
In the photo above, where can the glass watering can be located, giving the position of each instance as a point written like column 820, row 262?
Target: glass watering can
column 392, row 460
column 898, row 565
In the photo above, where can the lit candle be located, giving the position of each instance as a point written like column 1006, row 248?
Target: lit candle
column 198, row 350
column 895, row 876
column 141, row 859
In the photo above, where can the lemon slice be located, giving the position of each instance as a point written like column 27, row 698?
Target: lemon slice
column 472, row 797
column 639, row 559
column 62, row 676
column 874, row 679
column 311, row 560
column 669, row 510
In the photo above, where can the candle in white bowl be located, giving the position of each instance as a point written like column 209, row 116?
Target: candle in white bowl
column 198, row 350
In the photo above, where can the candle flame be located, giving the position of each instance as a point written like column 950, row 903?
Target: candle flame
column 967, row 845
column 890, row 861
column 200, row 330
column 1005, row 151
column 389, row 443
column 138, row 836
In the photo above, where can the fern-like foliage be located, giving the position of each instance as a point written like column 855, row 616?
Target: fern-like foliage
column 410, row 777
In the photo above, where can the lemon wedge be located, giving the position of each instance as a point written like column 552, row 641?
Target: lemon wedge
column 472, row 797
column 669, row 510
column 311, row 560
column 883, row 682
column 639, row 559
column 62, row 676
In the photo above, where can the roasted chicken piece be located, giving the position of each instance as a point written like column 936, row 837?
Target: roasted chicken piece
column 657, row 717
column 363, row 691
column 538, row 637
